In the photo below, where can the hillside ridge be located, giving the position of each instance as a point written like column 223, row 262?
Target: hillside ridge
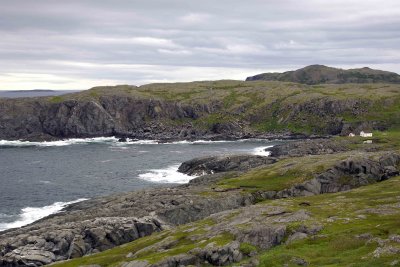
column 320, row 74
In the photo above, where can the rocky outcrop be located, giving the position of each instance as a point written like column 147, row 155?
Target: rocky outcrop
column 308, row 147
column 46, row 245
column 210, row 165
column 319, row 74
column 219, row 256
column 260, row 227
column 345, row 175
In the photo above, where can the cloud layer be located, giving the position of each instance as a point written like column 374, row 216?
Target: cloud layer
column 78, row 44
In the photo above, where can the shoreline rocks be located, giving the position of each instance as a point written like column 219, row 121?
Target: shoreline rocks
column 46, row 245
column 216, row 164
column 308, row 147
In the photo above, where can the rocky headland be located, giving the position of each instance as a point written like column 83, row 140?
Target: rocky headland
column 317, row 194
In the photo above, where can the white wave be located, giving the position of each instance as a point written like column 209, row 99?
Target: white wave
column 30, row 214
column 260, row 151
column 167, row 175
column 142, row 142
column 111, row 140
column 66, row 142
column 184, row 142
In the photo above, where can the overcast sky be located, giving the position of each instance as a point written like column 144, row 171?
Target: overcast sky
column 77, row 44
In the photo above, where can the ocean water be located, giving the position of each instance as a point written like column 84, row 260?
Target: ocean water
column 33, row 93
column 40, row 178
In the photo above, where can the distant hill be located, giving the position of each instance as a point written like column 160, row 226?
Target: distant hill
column 319, row 74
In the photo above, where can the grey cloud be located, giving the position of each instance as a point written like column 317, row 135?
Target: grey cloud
column 91, row 40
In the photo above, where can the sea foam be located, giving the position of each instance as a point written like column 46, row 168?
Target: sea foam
column 67, row 142
column 167, row 175
column 260, row 151
column 108, row 140
column 30, row 214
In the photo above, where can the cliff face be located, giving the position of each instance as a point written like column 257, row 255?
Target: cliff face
column 111, row 115
column 317, row 74
column 222, row 109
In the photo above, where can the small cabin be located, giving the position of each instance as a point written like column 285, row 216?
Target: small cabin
column 364, row 134
column 351, row 135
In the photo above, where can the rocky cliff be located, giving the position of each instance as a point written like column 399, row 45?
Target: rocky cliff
column 221, row 109
column 113, row 115
column 319, row 74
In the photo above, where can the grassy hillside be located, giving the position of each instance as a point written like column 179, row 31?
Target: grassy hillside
column 269, row 106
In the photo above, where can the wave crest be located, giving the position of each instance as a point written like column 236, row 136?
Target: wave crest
column 30, row 214
column 167, row 175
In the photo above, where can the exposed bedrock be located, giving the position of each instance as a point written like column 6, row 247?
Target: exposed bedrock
column 308, row 147
column 343, row 176
column 215, row 164
column 42, row 246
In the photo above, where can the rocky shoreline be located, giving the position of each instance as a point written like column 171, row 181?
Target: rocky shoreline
column 99, row 224
column 175, row 113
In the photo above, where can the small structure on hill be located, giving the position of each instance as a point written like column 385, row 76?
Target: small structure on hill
column 351, row 135
column 364, row 134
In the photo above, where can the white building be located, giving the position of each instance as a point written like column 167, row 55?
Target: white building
column 363, row 134
column 351, row 135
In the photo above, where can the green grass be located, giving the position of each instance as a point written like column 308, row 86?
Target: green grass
column 337, row 244
column 247, row 248
column 283, row 174
column 381, row 140
column 56, row 99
